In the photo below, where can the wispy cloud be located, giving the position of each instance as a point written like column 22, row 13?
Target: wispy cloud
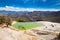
column 44, row 0
column 58, row 4
column 25, row 1
column 33, row 1
column 10, row 8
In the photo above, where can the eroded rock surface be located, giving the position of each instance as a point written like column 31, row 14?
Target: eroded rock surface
column 9, row 34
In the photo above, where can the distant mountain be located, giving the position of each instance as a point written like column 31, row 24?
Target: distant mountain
column 34, row 16
column 3, row 12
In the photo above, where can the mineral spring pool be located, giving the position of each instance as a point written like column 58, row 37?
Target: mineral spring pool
column 26, row 25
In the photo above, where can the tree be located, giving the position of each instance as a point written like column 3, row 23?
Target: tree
column 2, row 19
column 8, row 21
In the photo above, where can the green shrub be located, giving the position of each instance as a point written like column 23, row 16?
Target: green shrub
column 2, row 20
column 21, row 21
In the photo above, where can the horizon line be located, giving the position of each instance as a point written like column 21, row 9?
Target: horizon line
column 11, row 8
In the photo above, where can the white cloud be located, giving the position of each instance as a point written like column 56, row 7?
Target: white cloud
column 10, row 8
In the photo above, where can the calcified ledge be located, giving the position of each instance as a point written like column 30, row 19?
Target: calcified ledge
column 46, row 32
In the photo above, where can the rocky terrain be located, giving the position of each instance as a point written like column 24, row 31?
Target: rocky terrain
column 48, row 31
column 9, row 34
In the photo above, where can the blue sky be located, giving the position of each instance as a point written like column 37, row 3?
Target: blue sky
column 30, row 4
